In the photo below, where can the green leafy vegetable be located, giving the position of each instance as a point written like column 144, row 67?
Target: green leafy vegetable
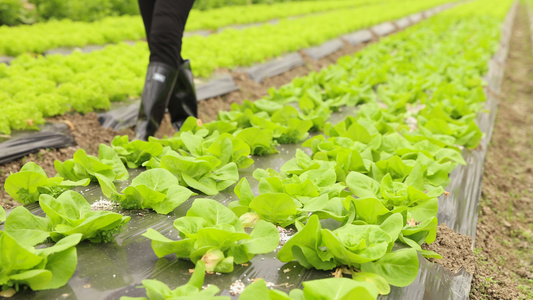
column 137, row 152
column 399, row 268
column 331, row 289
column 306, row 247
column 360, row 246
column 191, row 290
column 277, row 208
column 212, row 233
column 84, row 166
column 260, row 141
column 39, row 269
column 339, row 288
column 201, row 173
column 66, row 215
column 228, row 149
column 2, row 214
column 31, row 181
column 157, row 189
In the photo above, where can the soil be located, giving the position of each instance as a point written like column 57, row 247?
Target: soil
column 88, row 135
column 504, row 239
column 455, row 249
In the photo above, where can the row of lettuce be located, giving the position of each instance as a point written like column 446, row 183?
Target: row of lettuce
column 31, row 11
column 15, row 12
column 378, row 173
column 39, row 87
column 68, row 33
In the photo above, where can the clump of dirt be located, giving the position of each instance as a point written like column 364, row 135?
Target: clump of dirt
column 504, row 239
column 88, row 135
column 455, row 249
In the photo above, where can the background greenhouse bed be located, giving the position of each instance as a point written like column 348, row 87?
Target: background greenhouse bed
column 117, row 119
column 37, row 11
column 57, row 79
column 124, row 239
column 67, row 33
column 64, row 34
column 123, row 114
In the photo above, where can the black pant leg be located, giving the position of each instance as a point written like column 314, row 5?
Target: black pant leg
column 147, row 12
column 166, row 32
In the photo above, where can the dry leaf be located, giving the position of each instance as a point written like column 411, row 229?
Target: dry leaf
column 345, row 270
column 69, row 124
column 337, row 273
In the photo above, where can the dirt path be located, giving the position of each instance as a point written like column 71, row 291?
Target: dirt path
column 504, row 240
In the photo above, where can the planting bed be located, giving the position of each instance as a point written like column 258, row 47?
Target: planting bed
column 63, row 34
column 111, row 270
column 72, row 82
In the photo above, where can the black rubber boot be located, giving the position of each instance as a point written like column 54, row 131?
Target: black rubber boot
column 183, row 103
column 159, row 84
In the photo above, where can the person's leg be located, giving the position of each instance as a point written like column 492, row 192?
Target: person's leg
column 147, row 12
column 158, row 87
column 170, row 17
column 166, row 32
column 183, row 102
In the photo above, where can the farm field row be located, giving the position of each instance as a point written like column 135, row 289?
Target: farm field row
column 65, row 33
column 375, row 176
column 40, row 87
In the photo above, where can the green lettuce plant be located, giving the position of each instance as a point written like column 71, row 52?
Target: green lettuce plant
column 133, row 154
column 330, row 288
column 83, row 166
column 2, row 214
column 212, row 233
column 197, row 142
column 155, row 189
column 364, row 247
column 193, row 289
column 204, row 173
column 38, row 269
column 31, row 181
column 66, row 215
